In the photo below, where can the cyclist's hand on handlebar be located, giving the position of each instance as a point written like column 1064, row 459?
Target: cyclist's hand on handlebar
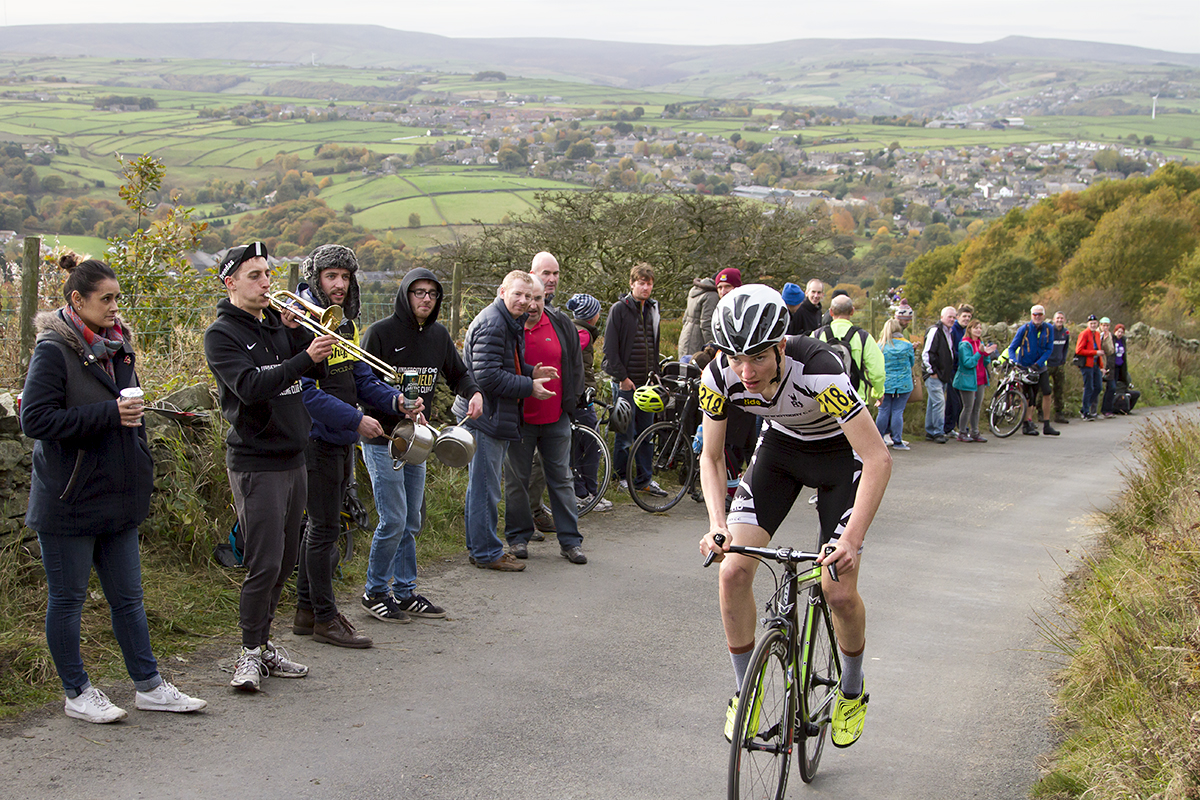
column 838, row 554
column 715, row 544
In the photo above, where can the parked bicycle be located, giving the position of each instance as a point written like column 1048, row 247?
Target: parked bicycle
column 672, row 462
column 787, row 696
column 1012, row 399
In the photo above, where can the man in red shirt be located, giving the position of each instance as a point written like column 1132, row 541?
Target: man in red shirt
column 550, row 341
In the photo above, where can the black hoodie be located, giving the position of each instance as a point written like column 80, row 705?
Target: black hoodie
column 404, row 343
column 258, row 365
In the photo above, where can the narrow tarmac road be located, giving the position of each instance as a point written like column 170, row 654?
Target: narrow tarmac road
column 610, row 680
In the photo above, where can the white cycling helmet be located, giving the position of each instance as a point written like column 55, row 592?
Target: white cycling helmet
column 749, row 320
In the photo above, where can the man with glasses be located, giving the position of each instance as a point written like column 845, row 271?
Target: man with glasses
column 411, row 338
column 1032, row 346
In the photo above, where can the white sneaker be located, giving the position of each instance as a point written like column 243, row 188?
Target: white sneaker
column 277, row 664
column 623, row 484
column 603, row 504
column 887, row 439
column 166, row 697
column 580, row 502
column 249, row 670
column 93, row 706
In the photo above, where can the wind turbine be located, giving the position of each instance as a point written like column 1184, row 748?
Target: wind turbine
column 1154, row 107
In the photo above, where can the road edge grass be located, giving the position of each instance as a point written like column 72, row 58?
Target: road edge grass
column 1129, row 699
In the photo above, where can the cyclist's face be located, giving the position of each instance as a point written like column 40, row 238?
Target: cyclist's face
column 756, row 372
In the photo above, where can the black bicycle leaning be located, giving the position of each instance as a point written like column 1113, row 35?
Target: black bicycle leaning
column 1011, row 399
column 790, row 688
column 672, row 462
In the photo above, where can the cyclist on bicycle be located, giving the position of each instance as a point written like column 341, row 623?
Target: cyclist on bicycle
column 819, row 435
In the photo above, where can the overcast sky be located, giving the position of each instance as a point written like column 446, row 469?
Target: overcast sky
column 1167, row 25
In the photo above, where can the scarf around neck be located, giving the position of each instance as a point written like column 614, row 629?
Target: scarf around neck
column 103, row 344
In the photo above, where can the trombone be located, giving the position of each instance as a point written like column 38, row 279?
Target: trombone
column 325, row 322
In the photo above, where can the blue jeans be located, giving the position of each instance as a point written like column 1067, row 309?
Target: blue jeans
column 1091, row 387
column 68, row 561
column 398, row 496
column 935, row 406
column 624, row 442
column 553, row 441
column 891, row 415
column 483, row 498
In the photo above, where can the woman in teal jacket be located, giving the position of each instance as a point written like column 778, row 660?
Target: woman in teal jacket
column 898, row 359
column 971, row 379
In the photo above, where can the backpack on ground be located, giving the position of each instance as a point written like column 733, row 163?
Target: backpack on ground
column 841, row 347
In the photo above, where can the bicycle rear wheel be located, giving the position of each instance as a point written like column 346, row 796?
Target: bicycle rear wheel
column 1007, row 412
column 589, row 448
column 822, row 672
column 672, row 466
column 763, row 727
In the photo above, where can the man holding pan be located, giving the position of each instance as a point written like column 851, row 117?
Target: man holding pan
column 332, row 401
column 411, row 338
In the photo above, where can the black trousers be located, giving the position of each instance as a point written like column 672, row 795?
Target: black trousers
column 328, row 473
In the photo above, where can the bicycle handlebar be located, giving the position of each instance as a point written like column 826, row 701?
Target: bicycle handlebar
column 780, row 554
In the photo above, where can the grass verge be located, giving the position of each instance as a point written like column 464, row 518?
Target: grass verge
column 1130, row 624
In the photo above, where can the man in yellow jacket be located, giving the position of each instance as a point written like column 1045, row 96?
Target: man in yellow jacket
column 866, row 359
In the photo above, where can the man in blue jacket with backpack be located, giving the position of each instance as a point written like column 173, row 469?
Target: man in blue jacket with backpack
column 1031, row 347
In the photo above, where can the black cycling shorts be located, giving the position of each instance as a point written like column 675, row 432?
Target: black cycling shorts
column 782, row 467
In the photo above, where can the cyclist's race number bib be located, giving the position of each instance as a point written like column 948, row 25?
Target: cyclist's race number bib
column 835, row 402
column 712, row 402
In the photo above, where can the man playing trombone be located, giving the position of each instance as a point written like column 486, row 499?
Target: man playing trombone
column 336, row 425
column 257, row 355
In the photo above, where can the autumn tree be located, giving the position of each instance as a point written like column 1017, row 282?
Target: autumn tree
column 1137, row 245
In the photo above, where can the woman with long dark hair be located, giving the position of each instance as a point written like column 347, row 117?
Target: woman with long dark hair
column 92, row 476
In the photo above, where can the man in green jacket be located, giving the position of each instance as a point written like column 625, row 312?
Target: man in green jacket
column 866, row 368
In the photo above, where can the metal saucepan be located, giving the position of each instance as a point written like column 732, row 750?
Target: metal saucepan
column 411, row 443
column 455, row 446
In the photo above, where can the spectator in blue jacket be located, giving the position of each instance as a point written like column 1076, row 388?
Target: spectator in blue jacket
column 494, row 352
column 971, row 379
column 1032, row 346
column 898, row 359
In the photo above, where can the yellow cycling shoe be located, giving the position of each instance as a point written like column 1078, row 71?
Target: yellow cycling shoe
column 730, row 715
column 849, row 715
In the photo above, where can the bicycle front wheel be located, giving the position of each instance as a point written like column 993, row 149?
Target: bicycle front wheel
column 1007, row 412
column 672, row 466
column 764, row 723
column 822, row 672
column 591, row 454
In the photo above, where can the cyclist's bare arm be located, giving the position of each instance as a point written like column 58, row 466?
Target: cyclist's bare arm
column 713, row 483
column 877, row 470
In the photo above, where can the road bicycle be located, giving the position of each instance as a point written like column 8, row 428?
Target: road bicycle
column 787, row 697
column 1011, row 399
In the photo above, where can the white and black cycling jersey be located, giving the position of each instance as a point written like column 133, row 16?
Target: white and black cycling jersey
column 814, row 396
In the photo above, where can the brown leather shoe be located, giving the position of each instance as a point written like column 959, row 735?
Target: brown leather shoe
column 302, row 623
column 543, row 520
column 505, row 563
column 340, row 632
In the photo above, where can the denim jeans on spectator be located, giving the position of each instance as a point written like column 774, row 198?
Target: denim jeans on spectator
column 398, row 497
column 891, row 415
column 935, row 406
column 553, row 441
column 585, row 459
column 483, row 498
column 624, row 443
column 68, row 561
column 1091, row 388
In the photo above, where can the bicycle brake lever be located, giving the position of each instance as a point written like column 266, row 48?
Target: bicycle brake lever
column 832, row 567
column 718, row 540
